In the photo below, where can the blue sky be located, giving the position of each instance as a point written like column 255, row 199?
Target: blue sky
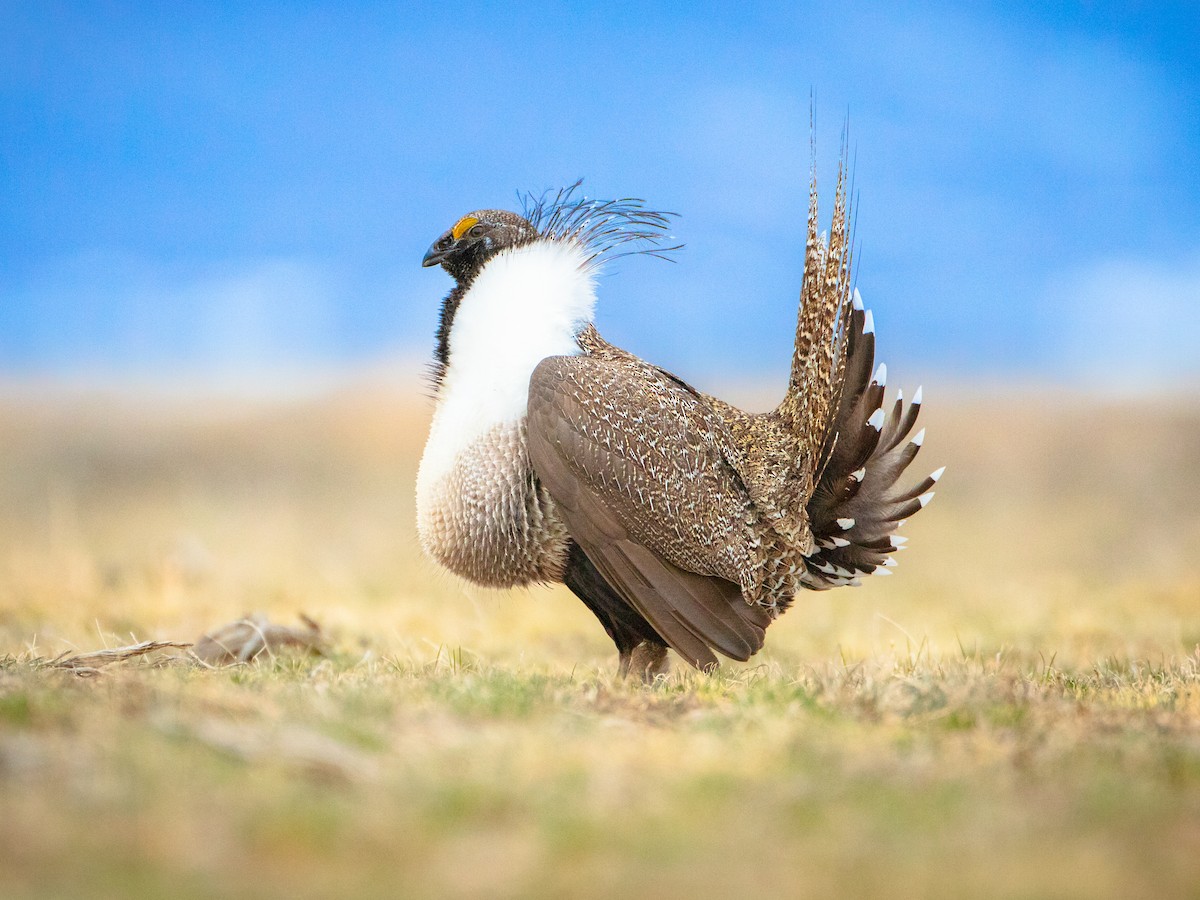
column 223, row 189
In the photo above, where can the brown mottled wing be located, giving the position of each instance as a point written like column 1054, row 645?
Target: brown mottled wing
column 633, row 459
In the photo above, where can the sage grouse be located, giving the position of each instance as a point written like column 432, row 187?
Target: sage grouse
column 679, row 520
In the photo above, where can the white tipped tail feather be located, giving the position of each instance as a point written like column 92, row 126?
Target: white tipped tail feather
column 859, row 502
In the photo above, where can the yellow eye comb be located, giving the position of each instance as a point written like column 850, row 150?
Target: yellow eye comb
column 462, row 225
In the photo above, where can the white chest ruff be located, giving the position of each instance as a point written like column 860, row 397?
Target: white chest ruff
column 478, row 510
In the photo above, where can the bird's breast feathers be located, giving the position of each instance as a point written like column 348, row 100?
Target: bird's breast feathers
column 526, row 304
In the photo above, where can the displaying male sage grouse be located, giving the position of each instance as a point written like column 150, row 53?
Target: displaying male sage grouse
column 678, row 519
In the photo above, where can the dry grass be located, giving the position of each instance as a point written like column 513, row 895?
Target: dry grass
column 1016, row 714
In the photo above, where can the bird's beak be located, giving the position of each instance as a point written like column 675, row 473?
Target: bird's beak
column 437, row 251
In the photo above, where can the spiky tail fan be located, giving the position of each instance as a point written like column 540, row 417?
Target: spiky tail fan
column 834, row 406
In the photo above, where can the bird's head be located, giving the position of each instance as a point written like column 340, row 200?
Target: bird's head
column 475, row 238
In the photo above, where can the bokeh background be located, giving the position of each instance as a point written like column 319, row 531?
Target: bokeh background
column 213, row 322
column 239, row 195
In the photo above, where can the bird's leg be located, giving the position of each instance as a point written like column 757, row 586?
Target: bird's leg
column 647, row 660
column 626, row 656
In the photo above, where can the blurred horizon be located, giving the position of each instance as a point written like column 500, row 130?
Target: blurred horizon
column 220, row 195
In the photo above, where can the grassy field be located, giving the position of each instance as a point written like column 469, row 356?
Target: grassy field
column 1016, row 714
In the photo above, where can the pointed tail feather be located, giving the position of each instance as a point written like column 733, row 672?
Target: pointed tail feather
column 820, row 359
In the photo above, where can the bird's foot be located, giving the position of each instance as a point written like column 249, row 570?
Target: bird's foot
column 647, row 661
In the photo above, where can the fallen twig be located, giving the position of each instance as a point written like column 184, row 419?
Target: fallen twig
column 91, row 663
column 245, row 639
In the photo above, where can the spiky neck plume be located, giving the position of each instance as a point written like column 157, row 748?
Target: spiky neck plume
column 606, row 229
